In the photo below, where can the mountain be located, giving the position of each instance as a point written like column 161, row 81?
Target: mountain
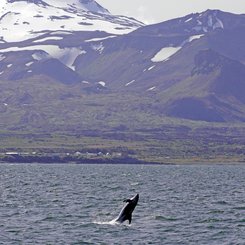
column 26, row 19
column 72, row 66
column 155, row 51
column 217, row 90
column 74, row 77
column 195, row 60
column 34, row 31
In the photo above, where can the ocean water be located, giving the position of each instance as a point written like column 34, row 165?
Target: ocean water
column 74, row 204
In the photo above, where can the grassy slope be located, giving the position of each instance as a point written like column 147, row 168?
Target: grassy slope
column 51, row 117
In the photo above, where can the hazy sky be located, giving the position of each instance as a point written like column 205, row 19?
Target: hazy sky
column 153, row 11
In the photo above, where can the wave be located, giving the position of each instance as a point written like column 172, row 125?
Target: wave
column 112, row 222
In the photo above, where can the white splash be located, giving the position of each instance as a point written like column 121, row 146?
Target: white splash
column 112, row 222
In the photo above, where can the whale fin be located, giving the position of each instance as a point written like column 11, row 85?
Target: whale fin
column 129, row 219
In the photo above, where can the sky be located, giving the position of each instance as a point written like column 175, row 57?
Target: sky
column 155, row 11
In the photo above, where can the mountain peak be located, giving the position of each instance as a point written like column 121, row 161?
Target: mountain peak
column 93, row 6
column 85, row 5
column 214, row 19
column 25, row 19
column 208, row 21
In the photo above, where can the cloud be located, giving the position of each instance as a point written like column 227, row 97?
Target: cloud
column 142, row 14
column 160, row 10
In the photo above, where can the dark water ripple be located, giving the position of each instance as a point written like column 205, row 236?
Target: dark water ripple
column 73, row 204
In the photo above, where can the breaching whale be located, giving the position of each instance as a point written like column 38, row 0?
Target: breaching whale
column 126, row 212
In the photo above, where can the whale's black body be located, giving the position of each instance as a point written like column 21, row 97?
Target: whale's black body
column 126, row 212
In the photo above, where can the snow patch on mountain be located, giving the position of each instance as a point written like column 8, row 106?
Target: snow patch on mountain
column 22, row 20
column 29, row 63
column 195, row 37
column 218, row 24
column 50, row 49
column 208, row 21
column 68, row 56
column 215, row 22
column 188, row 20
column 99, row 39
column 165, row 53
column 65, row 55
column 131, row 82
column 48, row 39
column 40, row 55
column 2, row 57
column 98, row 47
column 102, row 83
column 150, row 68
column 61, row 33
column 127, row 84
column 151, row 89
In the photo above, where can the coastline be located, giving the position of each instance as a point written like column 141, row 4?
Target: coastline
column 60, row 159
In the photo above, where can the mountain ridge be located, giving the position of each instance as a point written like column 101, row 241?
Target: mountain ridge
column 21, row 20
column 182, row 69
column 169, row 92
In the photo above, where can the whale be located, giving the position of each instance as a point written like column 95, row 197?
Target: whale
column 127, row 210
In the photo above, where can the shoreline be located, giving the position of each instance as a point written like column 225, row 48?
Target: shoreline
column 116, row 161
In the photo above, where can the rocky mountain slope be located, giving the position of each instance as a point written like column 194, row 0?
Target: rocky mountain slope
column 45, row 36
column 72, row 66
column 196, row 60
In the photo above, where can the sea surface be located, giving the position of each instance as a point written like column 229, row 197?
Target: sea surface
column 74, row 204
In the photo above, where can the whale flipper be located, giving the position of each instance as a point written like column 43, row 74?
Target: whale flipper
column 130, row 218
